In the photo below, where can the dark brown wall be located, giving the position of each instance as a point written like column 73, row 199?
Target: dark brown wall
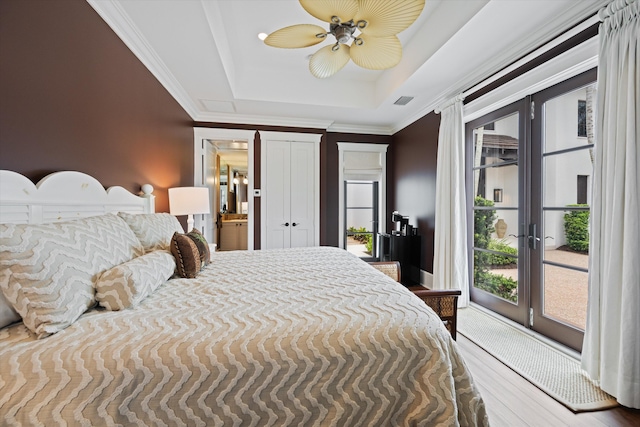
column 412, row 189
column 74, row 97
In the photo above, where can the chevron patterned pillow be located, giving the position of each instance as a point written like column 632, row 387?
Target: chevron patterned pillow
column 153, row 230
column 127, row 284
column 47, row 271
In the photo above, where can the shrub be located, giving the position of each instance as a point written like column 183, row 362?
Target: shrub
column 504, row 287
column 502, row 246
column 496, row 284
column 483, row 223
column 576, row 229
column 483, row 227
column 367, row 239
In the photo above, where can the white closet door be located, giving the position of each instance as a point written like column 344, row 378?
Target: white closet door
column 277, row 196
column 302, row 194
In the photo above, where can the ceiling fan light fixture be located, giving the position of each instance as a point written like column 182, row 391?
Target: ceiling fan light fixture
column 376, row 47
column 343, row 33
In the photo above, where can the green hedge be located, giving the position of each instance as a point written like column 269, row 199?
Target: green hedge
column 502, row 246
column 496, row 284
column 576, row 229
column 504, row 287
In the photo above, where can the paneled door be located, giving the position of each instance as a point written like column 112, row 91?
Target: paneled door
column 290, row 184
column 530, row 166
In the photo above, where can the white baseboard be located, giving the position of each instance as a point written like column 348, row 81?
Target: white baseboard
column 426, row 279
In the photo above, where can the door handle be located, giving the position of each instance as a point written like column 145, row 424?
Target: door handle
column 286, row 224
column 533, row 238
column 294, row 224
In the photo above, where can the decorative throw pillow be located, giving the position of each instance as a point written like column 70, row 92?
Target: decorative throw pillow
column 47, row 271
column 191, row 252
column 203, row 246
column 153, row 230
column 127, row 284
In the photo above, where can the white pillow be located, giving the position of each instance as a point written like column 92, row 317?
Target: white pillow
column 47, row 271
column 127, row 284
column 153, row 230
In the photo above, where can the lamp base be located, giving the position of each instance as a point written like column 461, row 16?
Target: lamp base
column 190, row 223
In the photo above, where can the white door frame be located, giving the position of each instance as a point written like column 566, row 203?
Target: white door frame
column 200, row 137
column 382, row 186
column 265, row 137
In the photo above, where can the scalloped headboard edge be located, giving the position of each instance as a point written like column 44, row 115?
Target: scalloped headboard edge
column 62, row 196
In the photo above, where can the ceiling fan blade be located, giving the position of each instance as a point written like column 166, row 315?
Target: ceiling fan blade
column 376, row 53
column 296, row 36
column 388, row 17
column 326, row 9
column 326, row 62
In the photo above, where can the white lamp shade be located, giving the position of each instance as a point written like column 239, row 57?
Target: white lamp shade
column 189, row 200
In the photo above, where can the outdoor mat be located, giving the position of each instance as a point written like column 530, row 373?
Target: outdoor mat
column 555, row 373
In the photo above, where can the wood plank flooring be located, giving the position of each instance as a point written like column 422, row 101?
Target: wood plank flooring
column 512, row 401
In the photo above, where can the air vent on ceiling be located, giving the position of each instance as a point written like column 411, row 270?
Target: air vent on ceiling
column 403, row 100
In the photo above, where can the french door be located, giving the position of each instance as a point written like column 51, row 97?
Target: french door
column 530, row 166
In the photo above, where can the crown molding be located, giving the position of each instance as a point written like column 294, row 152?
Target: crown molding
column 349, row 128
column 262, row 120
column 118, row 19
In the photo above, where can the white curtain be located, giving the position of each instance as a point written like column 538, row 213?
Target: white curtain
column 611, row 351
column 450, row 266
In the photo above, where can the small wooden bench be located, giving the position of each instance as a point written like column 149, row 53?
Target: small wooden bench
column 443, row 301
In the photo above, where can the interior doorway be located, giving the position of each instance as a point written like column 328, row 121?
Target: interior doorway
column 224, row 162
column 231, row 194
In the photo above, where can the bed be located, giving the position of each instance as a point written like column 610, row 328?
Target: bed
column 306, row 336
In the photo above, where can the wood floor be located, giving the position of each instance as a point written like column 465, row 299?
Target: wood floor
column 512, row 401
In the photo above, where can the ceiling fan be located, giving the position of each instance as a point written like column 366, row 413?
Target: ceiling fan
column 370, row 25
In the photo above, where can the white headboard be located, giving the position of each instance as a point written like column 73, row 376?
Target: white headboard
column 65, row 195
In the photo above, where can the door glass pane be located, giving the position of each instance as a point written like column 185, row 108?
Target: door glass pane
column 567, row 168
column 567, row 177
column 565, row 294
column 496, row 207
column 361, row 214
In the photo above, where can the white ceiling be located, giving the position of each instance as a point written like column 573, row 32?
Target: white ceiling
column 208, row 56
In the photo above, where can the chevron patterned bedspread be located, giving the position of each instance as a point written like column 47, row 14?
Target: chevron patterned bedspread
column 304, row 337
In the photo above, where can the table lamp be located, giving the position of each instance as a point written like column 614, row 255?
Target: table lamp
column 189, row 201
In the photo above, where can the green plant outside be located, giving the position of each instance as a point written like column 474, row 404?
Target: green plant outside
column 502, row 246
column 496, row 284
column 576, row 229
column 367, row 239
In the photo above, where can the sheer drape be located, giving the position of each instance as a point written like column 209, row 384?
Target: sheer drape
column 611, row 351
column 450, row 267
